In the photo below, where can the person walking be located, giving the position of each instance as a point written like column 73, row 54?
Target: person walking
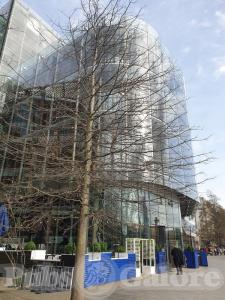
column 178, row 259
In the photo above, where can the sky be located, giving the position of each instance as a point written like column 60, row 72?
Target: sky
column 194, row 33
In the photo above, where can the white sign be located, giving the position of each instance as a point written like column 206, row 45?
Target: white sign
column 38, row 255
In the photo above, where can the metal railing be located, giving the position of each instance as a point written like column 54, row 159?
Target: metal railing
column 50, row 278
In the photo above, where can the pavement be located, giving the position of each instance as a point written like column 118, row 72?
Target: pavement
column 205, row 283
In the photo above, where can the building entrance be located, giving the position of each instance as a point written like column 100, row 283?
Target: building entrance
column 145, row 254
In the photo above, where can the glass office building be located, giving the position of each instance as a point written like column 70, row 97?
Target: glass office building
column 149, row 178
column 23, row 36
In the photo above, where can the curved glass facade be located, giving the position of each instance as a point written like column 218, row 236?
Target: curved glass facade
column 143, row 150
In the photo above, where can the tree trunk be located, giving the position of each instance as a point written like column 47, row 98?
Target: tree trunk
column 77, row 292
column 95, row 221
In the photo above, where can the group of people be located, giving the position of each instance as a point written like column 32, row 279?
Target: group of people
column 215, row 250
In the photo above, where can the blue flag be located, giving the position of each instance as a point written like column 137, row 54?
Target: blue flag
column 4, row 220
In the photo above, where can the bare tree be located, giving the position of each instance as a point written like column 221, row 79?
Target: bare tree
column 102, row 115
column 212, row 221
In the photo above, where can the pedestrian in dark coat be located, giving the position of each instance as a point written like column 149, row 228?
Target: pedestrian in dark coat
column 178, row 259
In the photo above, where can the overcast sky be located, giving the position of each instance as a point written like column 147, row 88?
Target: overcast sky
column 194, row 33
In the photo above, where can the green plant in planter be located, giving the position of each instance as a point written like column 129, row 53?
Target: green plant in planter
column 104, row 246
column 120, row 249
column 70, row 248
column 189, row 248
column 158, row 248
column 96, row 247
column 30, row 246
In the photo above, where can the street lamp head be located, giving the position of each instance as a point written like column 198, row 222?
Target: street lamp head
column 156, row 220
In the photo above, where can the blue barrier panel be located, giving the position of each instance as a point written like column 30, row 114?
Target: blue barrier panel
column 161, row 265
column 108, row 270
column 191, row 259
column 203, row 259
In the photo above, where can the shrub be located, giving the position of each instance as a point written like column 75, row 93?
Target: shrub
column 120, row 249
column 96, row 247
column 190, row 248
column 158, row 248
column 70, row 248
column 104, row 247
column 30, row 246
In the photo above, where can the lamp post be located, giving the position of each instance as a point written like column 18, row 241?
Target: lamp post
column 191, row 240
column 156, row 220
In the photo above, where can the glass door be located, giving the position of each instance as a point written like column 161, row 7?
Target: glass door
column 145, row 254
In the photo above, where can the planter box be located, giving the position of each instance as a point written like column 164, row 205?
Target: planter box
column 161, row 263
column 191, row 259
column 121, row 255
column 94, row 255
column 203, row 259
